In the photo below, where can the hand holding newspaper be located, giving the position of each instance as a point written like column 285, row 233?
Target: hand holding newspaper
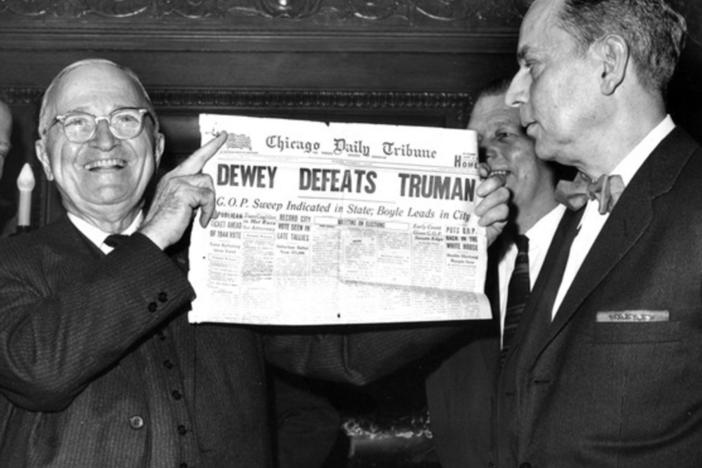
column 339, row 224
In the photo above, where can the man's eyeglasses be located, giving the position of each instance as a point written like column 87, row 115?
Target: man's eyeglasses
column 124, row 123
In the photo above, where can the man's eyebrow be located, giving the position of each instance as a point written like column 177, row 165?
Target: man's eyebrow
column 75, row 109
column 87, row 108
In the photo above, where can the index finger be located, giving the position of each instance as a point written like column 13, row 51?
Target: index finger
column 196, row 161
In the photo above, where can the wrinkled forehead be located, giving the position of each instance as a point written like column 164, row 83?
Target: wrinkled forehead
column 93, row 87
column 538, row 20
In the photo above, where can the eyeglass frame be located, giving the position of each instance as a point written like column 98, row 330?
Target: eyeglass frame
column 143, row 111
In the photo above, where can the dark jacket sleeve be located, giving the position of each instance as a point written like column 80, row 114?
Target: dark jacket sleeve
column 65, row 318
column 358, row 356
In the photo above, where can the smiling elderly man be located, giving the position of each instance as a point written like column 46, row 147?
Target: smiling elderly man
column 98, row 365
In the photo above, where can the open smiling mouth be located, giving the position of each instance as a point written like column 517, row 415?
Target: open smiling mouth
column 102, row 164
column 498, row 172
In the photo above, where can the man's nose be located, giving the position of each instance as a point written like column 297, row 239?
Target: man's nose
column 490, row 153
column 518, row 91
column 103, row 138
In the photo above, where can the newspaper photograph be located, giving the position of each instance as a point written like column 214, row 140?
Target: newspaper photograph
column 339, row 223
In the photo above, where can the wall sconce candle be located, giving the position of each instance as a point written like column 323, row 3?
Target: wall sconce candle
column 25, row 184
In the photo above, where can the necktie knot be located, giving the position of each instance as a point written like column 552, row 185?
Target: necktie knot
column 114, row 240
column 606, row 189
column 522, row 243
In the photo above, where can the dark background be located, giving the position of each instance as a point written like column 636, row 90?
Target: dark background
column 416, row 62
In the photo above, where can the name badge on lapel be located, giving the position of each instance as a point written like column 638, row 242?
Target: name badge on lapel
column 632, row 316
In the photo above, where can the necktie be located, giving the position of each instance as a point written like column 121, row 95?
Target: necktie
column 517, row 293
column 115, row 240
column 554, row 266
column 606, row 190
column 536, row 322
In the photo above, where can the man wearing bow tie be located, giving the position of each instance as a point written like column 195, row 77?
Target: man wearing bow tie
column 605, row 370
column 460, row 391
column 98, row 365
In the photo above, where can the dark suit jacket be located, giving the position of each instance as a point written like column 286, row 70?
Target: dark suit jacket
column 99, row 367
column 461, row 391
column 583, row 392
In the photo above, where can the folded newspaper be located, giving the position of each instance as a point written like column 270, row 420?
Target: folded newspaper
column 336, row 223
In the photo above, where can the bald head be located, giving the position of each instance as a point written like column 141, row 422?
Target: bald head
column 47, row 111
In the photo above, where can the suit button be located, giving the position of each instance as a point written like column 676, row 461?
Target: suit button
column 182, row 430
column 136, row 422
column 152, row 307
column 162, row 297
column 167, row 364
column 525, row 465
column 176, row 395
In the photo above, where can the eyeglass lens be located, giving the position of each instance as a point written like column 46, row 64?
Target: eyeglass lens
column 80, row 127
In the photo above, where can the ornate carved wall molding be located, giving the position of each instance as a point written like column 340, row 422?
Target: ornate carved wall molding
column 323, row 99
column 455, row 104
column 505, row 13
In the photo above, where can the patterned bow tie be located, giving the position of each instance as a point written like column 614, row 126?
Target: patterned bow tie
column 606, row 190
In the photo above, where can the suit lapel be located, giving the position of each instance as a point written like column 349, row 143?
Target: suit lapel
column 70, row 251
column 625, row 226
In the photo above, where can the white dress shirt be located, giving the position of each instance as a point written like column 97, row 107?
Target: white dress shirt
column 592, row 221
column 540, row 236
column 97, row 236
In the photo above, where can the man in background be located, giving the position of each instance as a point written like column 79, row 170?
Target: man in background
column 606, row 370
column 460, row 393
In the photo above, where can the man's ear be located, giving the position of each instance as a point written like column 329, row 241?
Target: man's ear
column 613, row 52
column 159, row 145
column 40, row 149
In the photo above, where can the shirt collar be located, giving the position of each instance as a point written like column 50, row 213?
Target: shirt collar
column 631, row 163
column 543, row 227
column 96, row 235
